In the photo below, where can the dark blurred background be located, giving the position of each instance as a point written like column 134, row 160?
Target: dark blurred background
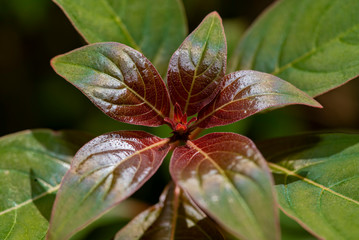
column 33, row 96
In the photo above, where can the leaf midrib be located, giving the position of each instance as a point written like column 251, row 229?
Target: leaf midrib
column 311, row 182
column 222, row 172
column 175, row 215
column 242, row 99
column 199, row 62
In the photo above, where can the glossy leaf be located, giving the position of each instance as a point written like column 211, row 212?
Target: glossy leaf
column 155, row 28
column 119, row 80
column 104, row 172
column 227, row 177
column 312, row 44
column 197, row 67
column 31, row 167
column 174, row 217
column 248, row 92
column 317, row 178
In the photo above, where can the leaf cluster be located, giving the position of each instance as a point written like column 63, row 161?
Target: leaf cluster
column 223, row 187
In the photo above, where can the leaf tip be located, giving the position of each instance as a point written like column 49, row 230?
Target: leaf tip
column 214, row 14
column 316, row 104
column 53, row 61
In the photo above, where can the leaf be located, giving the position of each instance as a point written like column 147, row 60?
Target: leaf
column 196, row 69
column 227, row 177
column 312, row 44
column 155, row 27
column 118, row 80
column 248, row 92
column 317, row 178
column 174, row 217
column 31, row 167
column 104, row 172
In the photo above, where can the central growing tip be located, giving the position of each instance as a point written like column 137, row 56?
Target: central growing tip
column 181, row 128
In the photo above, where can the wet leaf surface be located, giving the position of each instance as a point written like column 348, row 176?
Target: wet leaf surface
column 227, row 177
column 104, row 172
column 197, row 67
column 248, row 92
column 118, row 80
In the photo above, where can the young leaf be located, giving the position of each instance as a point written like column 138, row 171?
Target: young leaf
column 317, row 178
column 119, row 80
column 174, row 217
column 227, row 177
column 32, row 165
column 104, row 172
column 155, row 27
column 248, row 92
column 312, row 44
column 197, row 67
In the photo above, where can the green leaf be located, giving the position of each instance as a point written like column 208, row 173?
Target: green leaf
column 228, row 179
column 174, row 217
column 317, row 179
column 119, row 80
column 312, row 44
column 104, row 172
column 156, row 27
column 32, row 165
column 247, row 92
column 197, row 67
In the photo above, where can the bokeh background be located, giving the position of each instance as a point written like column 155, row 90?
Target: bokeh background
column 33, row 96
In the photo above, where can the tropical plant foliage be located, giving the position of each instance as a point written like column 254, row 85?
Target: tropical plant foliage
column 223, row 187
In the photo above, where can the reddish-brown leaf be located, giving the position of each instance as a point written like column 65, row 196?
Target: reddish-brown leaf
column 248, row 92
column 119, row 80
column 104, row 172
column 228, row 178
column 198, row 66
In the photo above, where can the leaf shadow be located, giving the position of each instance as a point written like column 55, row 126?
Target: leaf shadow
column 43, row 203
